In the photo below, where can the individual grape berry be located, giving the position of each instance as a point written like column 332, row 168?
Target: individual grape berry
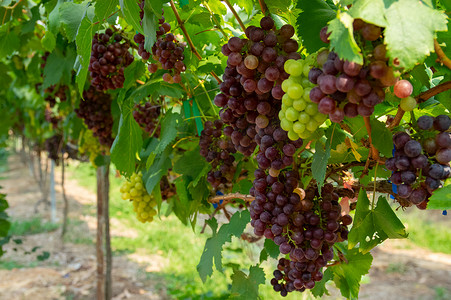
column 425, row 122
column 442, row 122
column 408, row 104
column 403, row 89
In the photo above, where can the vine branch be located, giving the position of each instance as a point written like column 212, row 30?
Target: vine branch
column 374, row 152
column 237, row 17
column 441, row 55
column 422, row 97
column 188, row 38
column 263, row 6
column 228, row 197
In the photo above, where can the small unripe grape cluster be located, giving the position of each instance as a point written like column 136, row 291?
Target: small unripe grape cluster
column 90, row 145
column 95, row 110
column 147, row 115
column 109, row 58
column 251, row 87
column 421, row 162
column 349, row 89
column 52, row 146
column 167, row 51
column 143, row 204
column 299, row 116
column 217, row 150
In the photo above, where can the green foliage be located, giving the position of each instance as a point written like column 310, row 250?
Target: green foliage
column 213, row 246
column 374, row 225
column 5, row 225
column 319, row 164
column 441, row 199
column 246, row 286
column 342, row 38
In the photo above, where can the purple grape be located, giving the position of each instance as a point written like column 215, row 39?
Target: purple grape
column 412, row 148
column 425, row 122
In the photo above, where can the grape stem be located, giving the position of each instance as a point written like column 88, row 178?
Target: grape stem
column 441, row 55
column 263, row 6
column 237, row 17
column 188, row 38
column 9, row 8
column 107, row 17
column 229, row 197
column 218, row 25
column 398, row 118
column 374, row 152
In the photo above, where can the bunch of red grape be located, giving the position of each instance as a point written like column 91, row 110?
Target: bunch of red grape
column 348, row 89
column 95, row 110
column 167, row 51
column 52, row 145
column 146, row 115
column 109, row 58
column 251, row 87
column 419, row 173
column 217, row 150
column 305, row 225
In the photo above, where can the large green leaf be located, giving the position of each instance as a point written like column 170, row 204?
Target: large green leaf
column 319, row 164
column 372, row 11
column 408, row 39
column 342, row 38
column 130, row 9
column 71, row 16
column 381, row 137
column 84, row 44
column 347, row 275
column 105, row 8
column 315, row 15
column 150, row 26
column 9, row 41
column 441, row 198
column 246, row 286
column 372, row 226
column 128, row 141
column 213, row 245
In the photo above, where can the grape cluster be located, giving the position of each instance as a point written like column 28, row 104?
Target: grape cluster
column 95, row 110
column 146, row 115
column 52, row 145
column 304, row 224
column 91, row 146
column 167, row 51
column 217, row 150
column 420, row 164
column 298, row 115
column 54, row 93
column 348, row 89
column 251, row 87
column 51, row 117
column 143, row 204
column 109, row 58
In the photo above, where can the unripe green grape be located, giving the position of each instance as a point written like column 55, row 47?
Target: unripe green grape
column 299, row 105
column 298, row 127
column 306, row 94
column 287, row 100
column 311, row 109
column 312, row 126
column 306, row 70
column 304, row 118
column 288, row 64
column 293, row 135
column 295, row 91
column 408, row 104
column 281, row 115
column 305, row 134
column 285, row 124
column 286, row 84
column 292, row 114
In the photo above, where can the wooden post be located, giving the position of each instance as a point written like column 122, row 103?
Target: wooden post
column 66, row 202
column 52, row 192
column 104, row 290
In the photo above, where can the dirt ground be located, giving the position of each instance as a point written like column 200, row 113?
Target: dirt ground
column 69, row 273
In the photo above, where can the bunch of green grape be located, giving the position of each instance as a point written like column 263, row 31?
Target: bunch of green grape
column 89, row 144
column 143, row 204
column 299, row 116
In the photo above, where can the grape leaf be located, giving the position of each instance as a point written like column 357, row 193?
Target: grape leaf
column 320, row 287
column 149, row 27
column 130, row 9
column 371, row 11
column 157, row 5
column 381, row 137
column 84, row 44
column 319, row 164
column 407, row 39
column 315, row 15
column 168, row 130
column 441, row 198
column 246, row 287
column 347, row 276
column 190, row 163
column 128, row 141
column 342, row 38
column 48, row 41
column 135, row 70
column 104, row 8
column 71, row 16
column 160, row 166
column 57, row 68
column 10, row 41
column 213, row 245
column 372, row 226
column 272, row 248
